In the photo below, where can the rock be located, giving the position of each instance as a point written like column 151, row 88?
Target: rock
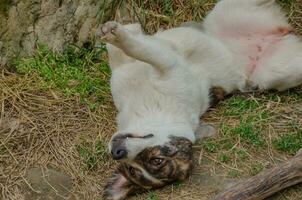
column 53, row 23
column 208, row 182
column 50, row 185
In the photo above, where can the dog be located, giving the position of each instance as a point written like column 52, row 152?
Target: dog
column 161, row 84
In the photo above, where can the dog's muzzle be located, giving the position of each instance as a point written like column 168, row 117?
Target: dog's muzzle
column 118, row 148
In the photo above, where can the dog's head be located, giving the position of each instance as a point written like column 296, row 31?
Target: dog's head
column 152, row 167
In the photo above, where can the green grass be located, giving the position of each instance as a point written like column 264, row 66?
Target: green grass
column 241, row 133
column 233, row 173
column 248, row 125
column 92, row 153
column 240, row 153
column 223, row 157
column 249, row 117
column 289, row 142
column 247, row 130
column 296, row 94
column 210, row 145
column 167, row 13
column 74, row 72
column 237, row 105
column 177, row 184
column 286, row 4
column 106, row 10
column 256, row 168
column 151, row 196
column 249, row 133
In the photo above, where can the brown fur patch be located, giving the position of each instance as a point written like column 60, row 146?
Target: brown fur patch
column 217, row 94
column 177, row 156
column 176, row 165
column 177, row 162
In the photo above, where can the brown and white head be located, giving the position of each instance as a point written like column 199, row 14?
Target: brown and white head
column 147, row 162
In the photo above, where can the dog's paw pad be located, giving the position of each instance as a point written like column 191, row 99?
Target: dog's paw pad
column 109, row 32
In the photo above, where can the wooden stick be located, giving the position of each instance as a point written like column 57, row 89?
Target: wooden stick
column 267, row 182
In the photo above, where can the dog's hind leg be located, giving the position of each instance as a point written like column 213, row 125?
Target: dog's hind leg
column 278, row 76
column 234, row 18
column 141, row 47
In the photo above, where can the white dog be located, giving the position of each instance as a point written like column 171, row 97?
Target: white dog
column 160, row 84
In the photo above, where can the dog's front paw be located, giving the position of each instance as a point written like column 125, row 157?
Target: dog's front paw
column 110, row 32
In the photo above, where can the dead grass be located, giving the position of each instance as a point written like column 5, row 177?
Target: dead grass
column 41, row 128
column 45, row 128
column 158, row 14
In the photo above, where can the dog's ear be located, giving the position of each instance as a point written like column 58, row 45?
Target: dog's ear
column 118, row 187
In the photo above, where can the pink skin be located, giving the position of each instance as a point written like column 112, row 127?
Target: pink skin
column 259, row 50
column 262, row 47
column 119, row 184
column 256, row 46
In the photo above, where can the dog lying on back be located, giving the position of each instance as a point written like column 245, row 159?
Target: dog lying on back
column 160, row 84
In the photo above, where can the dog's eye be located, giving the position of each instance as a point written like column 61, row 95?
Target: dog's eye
column 132, row 171
column 157, row 161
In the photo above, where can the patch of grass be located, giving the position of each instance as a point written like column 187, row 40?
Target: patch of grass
column 296, row 93
column 157, row 14
column 290, row 95
column 289, row 142
column 74, row 72
column 177, row 184
column 240, row 154
column 249, row 133
column 223, row 157
column 247, row 129
column 92, row 153
column 273, row 97
column 237, row 105
column 243, row 135
column 286, row 4
column 210, row 146
column 233, row 173
column 152, row 196
column 256, row 168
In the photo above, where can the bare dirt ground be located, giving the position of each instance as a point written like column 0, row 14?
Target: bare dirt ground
column 54, row 147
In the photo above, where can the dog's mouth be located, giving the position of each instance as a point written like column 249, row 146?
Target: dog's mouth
column 152, row 168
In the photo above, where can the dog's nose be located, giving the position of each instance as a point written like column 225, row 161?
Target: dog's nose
column 118, row 146
column 118, row 152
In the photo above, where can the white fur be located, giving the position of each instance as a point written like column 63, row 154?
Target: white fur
column 283, row 69
column 160, row 84
column 166, row 100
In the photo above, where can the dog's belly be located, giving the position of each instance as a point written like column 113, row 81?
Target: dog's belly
column 258, row 51
column 254, row 51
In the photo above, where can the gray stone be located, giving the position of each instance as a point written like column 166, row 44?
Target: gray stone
column 54, row 23
column 47, row 185
column 207, row 181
